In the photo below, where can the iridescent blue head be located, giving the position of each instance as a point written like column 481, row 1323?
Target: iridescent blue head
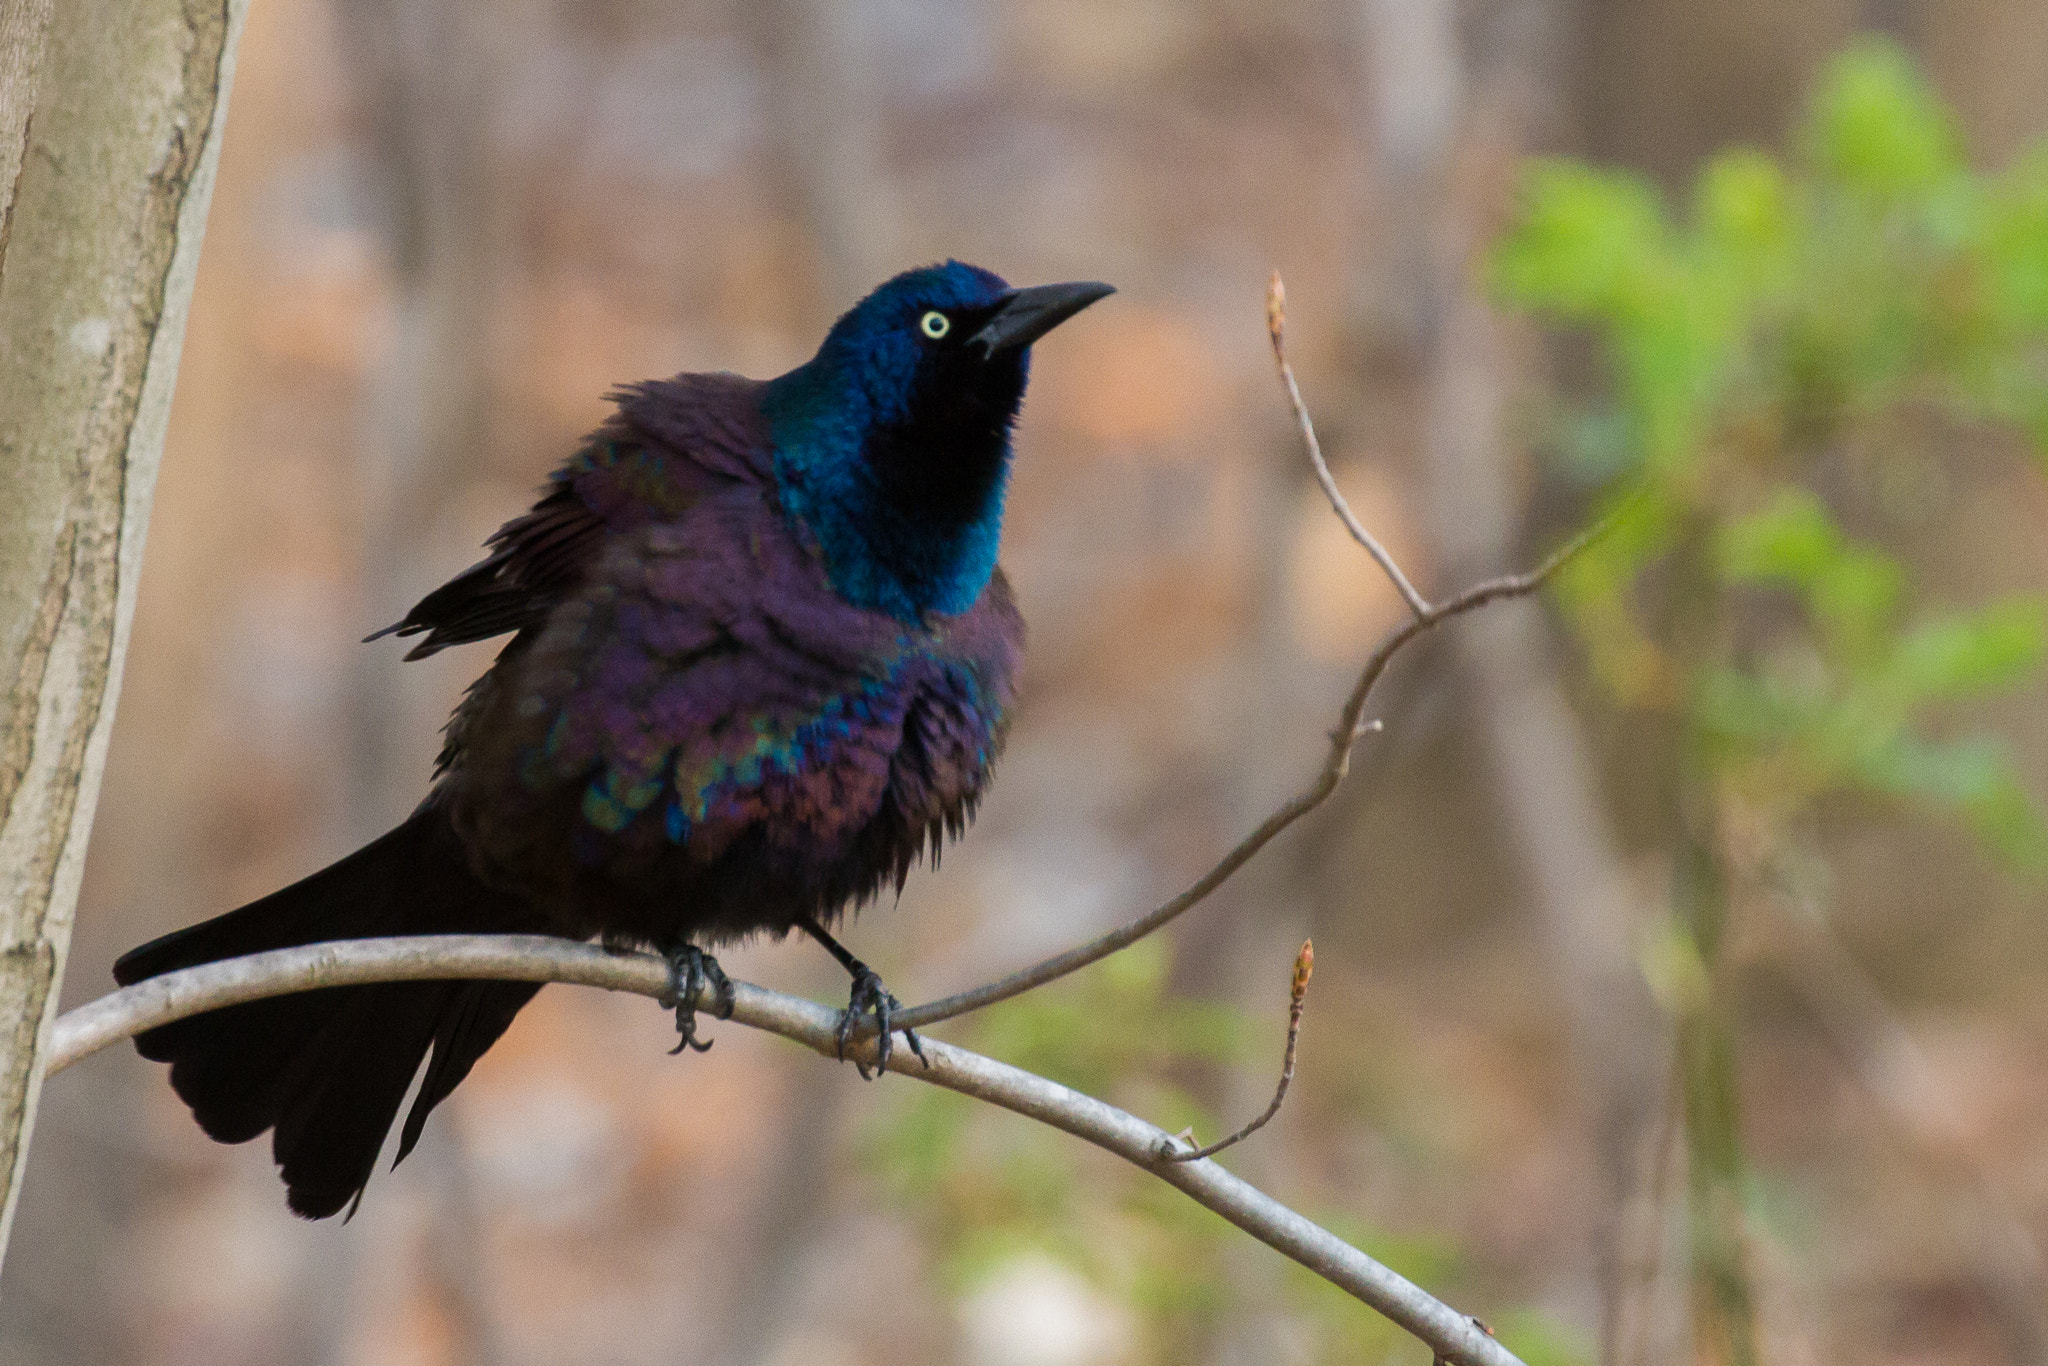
column 892, row 444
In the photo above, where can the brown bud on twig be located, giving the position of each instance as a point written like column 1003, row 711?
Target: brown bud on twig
column 1276, row 328
column 1304, row 968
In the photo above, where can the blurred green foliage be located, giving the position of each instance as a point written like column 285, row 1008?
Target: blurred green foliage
column 1781, row 362
column 1768, row 356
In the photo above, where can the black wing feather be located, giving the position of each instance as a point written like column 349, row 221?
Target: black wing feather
column 534, row 561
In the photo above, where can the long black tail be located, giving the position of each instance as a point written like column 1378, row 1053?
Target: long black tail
column 327, row 1069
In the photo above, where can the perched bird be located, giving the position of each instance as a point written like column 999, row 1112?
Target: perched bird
column 762, row 658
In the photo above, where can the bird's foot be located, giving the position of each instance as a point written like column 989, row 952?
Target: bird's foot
column 690, row 970
column 871, row 998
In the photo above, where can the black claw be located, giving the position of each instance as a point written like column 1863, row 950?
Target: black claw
column 871, row 998
column 690, row 969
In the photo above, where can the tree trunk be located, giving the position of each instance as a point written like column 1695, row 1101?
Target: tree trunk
column 110, row 117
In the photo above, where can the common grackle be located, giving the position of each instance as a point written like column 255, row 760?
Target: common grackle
column 762, row 658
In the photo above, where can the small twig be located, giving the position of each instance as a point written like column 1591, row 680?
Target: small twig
column 1304, row 965
column 1335, row 765
column 1276, row 327
column 533, row 958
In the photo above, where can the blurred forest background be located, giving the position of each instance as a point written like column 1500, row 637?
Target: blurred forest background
column 1681, row 956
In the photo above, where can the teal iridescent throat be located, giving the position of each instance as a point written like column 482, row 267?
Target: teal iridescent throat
column 877, row 556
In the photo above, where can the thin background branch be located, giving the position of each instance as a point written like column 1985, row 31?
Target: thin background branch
column 1276, row 328
column 1452, row 1336
column 1351, row 724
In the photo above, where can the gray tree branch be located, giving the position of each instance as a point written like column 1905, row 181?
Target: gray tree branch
column 1452, row 1336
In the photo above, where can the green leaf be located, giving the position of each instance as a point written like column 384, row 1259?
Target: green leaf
column 1792, row 539
column 1852, row 590
column 1976, row 652
column 1584, row 241
column 1747, row 226
column 1878, row 126
column 2016, row 241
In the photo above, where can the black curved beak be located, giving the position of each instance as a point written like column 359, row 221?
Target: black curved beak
column 1028, row 314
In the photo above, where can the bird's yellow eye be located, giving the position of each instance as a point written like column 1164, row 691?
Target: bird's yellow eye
column 935, row 324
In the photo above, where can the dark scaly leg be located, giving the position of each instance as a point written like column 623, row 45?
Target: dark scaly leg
column 690, row 970
column 869, row 997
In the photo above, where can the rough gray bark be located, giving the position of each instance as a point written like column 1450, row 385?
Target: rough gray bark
column 110, row 114
column 24, row 28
